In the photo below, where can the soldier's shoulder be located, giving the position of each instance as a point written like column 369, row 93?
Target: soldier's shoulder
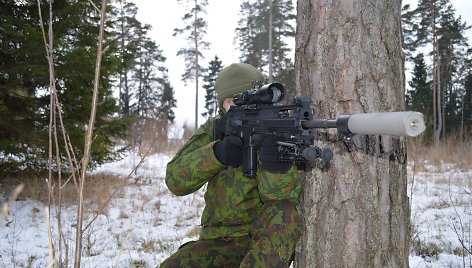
column 206, row 127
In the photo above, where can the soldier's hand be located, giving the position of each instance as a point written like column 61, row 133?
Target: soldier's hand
column 268, row 155
column 219, row 128
column 229, row 151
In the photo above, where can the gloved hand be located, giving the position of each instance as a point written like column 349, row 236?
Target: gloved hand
column 219, row 128
column 229, row 151
column 268, row 154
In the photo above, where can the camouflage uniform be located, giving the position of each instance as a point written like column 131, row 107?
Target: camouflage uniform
column 246, row 222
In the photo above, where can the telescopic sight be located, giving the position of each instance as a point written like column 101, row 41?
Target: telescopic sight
column 267, row 94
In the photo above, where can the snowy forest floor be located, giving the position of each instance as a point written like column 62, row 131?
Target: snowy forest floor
column 144, row 223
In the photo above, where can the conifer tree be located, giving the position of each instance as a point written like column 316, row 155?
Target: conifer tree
column 167, row 98
column 194, row 32
column 23, row 69
column 435, row 23
column 128, row 31
column 155, row 98
column 142, row 76
column 419, row 96
column 467, row 104
column 249, row 35
column 211, row 103
column 76, row 73
column 253, row 37
column 452, row 52
column 410, row 26
column 146, row 79
column 24, row 82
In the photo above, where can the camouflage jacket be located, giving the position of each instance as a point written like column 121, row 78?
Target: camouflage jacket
column 232, row 201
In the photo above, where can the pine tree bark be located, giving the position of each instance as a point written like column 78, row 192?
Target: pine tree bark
column 349, row 59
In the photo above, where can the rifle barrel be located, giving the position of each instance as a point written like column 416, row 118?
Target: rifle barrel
column 319, row 123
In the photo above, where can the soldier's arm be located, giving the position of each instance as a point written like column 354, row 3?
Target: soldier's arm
column 279, row 186
column 194, row 164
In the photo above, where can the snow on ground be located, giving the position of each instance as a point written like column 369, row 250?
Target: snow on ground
column 441, row 213
column 142, row 226
column 145, row 223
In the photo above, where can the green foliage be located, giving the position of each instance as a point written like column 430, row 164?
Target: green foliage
column 287, row 78
column 467, row 101
column 253, row 37
column 211, row 103
column 141, row 78
column 24, row 84
column 23, row 69
column 434, row 22
column 409, row 29
column 127, row 33
column 155, row 97
column 420, row 97
column 167, row 99
column 146, row 82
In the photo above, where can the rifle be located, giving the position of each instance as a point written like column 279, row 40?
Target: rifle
column 254, row 116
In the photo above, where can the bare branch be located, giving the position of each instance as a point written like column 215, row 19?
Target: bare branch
column 88, row 138
column 102, row 208
column 93, row 4
column 52, row 122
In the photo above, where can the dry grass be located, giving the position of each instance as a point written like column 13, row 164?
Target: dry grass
column 450, row 150
column 98, row 188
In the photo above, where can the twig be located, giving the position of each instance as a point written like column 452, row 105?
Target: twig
column 88, row 138
column 93, row 4
column 52, row 259
column 123, row 183
column 128, row 233
column 54, row 104
column 458, row 230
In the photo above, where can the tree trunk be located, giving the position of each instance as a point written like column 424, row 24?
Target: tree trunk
column 271, row 78
column 197, row 67
column 436, row 82
column 349, row 59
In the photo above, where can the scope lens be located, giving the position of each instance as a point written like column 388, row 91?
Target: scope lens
column 275, row 90
column 276, row 94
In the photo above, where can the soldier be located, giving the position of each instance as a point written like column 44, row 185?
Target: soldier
column 246, row 222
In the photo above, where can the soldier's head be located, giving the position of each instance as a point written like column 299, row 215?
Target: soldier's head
column 234, row 79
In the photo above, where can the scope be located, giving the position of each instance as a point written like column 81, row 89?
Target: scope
column 267, row 94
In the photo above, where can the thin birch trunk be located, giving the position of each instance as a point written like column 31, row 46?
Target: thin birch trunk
column 88, row 138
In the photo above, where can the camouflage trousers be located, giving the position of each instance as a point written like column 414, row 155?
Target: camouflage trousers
column 271, row 243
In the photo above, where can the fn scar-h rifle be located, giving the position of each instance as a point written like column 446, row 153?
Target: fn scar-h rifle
column 254, row 117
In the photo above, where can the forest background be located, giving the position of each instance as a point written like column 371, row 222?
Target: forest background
column 222, row 19
column 138, row 99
